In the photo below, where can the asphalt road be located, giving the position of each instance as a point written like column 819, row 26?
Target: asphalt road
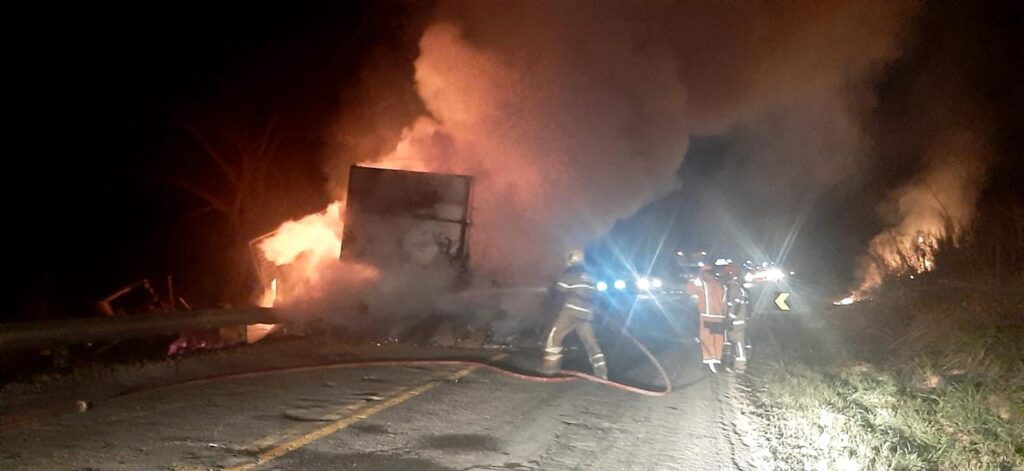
column 422, row 418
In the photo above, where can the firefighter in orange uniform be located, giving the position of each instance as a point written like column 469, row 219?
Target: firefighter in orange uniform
column 710, row 296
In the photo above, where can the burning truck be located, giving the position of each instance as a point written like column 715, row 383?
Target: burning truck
column 397, row 218
column 394, row 227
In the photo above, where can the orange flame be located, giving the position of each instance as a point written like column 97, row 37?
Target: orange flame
column 895, row 253
column 312, row 245
column 317, row 235
column 306, row 246
column 938, row 205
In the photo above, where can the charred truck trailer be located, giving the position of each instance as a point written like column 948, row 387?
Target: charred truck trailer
column 397, row 218
column 394, row 220
column 414, row 228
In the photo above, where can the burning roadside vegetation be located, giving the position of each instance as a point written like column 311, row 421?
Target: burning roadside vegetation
column 927, row 374
column 921, row 364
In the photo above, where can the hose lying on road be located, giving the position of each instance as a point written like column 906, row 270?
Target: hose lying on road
column 564, row 376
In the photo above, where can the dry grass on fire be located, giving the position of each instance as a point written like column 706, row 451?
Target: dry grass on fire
column 925, row 376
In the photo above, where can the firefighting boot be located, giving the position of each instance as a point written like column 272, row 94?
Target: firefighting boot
column 599, row 366
column 741, row 358
column 552, row 362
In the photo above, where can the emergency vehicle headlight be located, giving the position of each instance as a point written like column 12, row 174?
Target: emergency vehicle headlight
column 748, row 277
column 620, row 284
column 643, row 283
column 602, row 286
column 774, row 274
column 656, row 283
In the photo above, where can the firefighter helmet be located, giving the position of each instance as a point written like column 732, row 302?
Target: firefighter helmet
column 575, row 257
column 727, row 269
column 692, row 259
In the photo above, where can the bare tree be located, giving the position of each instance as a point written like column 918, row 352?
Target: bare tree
column 247, row 191
column 246, row 166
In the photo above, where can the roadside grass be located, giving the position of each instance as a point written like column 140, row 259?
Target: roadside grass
column 911, row 380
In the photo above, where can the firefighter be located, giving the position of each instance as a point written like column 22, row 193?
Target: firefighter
column 709, row 295
column 576, row 315
column 737, row 305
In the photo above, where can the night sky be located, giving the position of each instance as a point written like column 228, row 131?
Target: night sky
column 108, row 101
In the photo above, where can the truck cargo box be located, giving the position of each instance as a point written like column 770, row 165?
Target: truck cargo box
column 397, row 217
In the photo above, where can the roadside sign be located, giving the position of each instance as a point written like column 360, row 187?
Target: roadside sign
column 782, row 301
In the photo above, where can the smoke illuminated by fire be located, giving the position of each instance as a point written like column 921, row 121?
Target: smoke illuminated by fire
column 572, row 116
column 569, row 126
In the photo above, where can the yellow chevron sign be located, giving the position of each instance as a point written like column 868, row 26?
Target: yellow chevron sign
column 781, row 300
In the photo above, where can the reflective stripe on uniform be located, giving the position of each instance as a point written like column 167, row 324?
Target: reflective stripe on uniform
column 713, row 316
column 551, row 337
column 738, row 322
column 568, row 286
column 707, row 299
column 576, row 308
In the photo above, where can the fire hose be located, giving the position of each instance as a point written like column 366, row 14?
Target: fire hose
column 562, row 377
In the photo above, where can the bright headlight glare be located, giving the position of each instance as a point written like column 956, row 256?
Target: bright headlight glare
column 643, row 283
column 620, row 284
column 656, row 283
column 748, row 277
column 602, row 286
column 774, row 274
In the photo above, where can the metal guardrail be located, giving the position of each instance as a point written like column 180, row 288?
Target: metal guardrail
column 79, row 331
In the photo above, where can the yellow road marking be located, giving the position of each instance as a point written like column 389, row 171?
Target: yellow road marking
column 270, row 440
column 292, row 445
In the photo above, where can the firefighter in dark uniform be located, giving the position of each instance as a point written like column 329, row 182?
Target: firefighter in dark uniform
column 577, row 290
column 737, row 310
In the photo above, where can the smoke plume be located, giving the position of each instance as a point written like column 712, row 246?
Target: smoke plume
column 945, row 128
column 938, row 205
column 573, row 115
